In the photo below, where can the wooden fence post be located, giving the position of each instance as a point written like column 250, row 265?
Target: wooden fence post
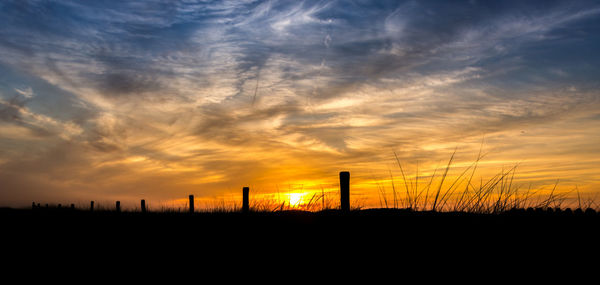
column 91, row 206
column 143, row 206
column 118, row 206
column 345, row 191
column 191, row 204
column 245, row 200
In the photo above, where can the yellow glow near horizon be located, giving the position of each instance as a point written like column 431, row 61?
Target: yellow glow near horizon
column 295, row 199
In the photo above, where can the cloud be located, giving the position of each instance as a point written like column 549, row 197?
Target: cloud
column 27, row 93
column 197, row 94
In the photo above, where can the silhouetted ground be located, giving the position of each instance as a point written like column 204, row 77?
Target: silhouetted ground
column 300, row 243
column 214, row 241
column 287, row 226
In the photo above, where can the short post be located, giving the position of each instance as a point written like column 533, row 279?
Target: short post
column 118, row 207
column 191, row 204
column 32, row 205
column 91, row 206
column 72, row 206
column 59, row 206
column 143, row 206
column 345, row 191
column 245, row 200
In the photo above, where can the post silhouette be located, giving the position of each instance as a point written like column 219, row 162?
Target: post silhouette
column 32, row 205
column 191, row 204
column 59, row 206
column 245, row 200
column 72, row 206
column 143, row 206
column 345, row 190
column 118, row 206
column 91, row 206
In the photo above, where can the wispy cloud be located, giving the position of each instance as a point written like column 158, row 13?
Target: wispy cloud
column 170, row 97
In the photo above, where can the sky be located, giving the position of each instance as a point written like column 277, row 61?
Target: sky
column 156, row 100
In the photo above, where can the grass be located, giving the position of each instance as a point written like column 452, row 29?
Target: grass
column 439, row 192
column 434, row 215
column 463, row 194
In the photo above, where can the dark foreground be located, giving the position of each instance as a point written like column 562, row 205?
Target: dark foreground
column 385, row 226
column 259, row 239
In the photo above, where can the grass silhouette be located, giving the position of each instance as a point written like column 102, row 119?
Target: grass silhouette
column 462, row 194
column 439, row 193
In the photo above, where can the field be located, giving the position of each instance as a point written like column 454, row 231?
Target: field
column 443, row 216
column 369, row 227
column 373, row 243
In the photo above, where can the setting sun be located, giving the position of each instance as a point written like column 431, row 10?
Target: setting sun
column 295, row 199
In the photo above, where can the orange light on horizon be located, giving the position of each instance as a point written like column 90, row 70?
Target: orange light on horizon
column 295, row 199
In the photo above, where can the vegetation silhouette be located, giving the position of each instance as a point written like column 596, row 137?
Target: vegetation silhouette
column 429, row 217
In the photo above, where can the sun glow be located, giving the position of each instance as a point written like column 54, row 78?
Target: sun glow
column 295, row 199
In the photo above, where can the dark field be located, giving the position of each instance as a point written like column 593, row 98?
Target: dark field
column 296, row 229
column 383, row 242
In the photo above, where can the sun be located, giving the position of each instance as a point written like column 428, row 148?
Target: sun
column 295, row 199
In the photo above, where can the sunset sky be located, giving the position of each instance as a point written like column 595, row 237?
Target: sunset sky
column 156, row 100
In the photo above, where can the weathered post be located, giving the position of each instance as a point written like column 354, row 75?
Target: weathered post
column 91, row 206
column 345, row 191
column 191, row 204
column 245, row 200
column 118, row 206
column 143, row 206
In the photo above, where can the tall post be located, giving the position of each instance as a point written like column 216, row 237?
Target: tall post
column 143, row 206
column 245, row 200
column 345, row 190
column 191, row 204
column 91, row 206
column 118, row 206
